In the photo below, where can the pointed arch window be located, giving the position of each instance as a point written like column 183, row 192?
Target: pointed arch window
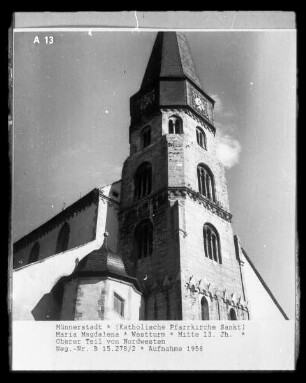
column 206, row 182
column 34, row 254
column 201, row 137
column 143, row 180
column 212, row 243
column 175, row 125
column 232, row 314
column 63, row 238
column 146, row 136
column 204, row 309
column 143, row 239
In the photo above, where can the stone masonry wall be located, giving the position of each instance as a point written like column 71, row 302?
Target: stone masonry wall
column 157, row 273
column 177, row 274
column 201, row 274
column 184, row 155
column 93, row 299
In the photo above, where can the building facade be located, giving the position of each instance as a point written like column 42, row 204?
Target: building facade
column 168, row 220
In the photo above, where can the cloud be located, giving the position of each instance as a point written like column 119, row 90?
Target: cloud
column 228, row 150
column 218, row 105
column 226, row 129
column 219, row 108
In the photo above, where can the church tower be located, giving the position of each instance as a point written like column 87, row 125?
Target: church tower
column 175, row 232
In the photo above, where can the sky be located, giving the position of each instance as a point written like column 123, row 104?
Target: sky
column 71, row 124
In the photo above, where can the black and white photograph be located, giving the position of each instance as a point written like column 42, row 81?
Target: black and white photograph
column 153, row 191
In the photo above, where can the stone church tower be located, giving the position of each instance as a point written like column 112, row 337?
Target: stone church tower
column 175, row 232
column 157, row 244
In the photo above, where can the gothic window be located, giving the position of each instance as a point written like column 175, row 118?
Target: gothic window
column 206, row 182
column 204, row 309
column 201, row 137
column 144, row 239
column 146, row 136
column 119, row 305
column 232, row 314
column 175, row 125
column 212, row 243
column 63, row 238
column 143, row 180
column 34, row 254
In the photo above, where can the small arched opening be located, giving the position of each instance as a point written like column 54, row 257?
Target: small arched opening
column 63, row 238
column 204, row 309
column 175, row 125
column 232, row 314
column 143, row 239
column 34, row 254
column 143, row 180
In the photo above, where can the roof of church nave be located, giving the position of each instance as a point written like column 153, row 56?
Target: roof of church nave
column 66, row 213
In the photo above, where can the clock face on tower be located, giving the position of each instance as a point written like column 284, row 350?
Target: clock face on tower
column 201, row 105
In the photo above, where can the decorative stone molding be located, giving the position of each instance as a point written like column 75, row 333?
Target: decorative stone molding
column 224, row 295
column 233, row 298
column 186, row 110
column 241, row 304
column 201, row 286
column 150, row 286
column 154, row 201
column 200, row 121
column 192, row 283
column 183, row 232
column 198, row 286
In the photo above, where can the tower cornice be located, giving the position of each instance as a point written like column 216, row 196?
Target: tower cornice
column 153, row 201
column 193, row 114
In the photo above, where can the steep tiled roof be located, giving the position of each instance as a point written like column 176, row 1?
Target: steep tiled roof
column 260, row 278
column 170, row 57
column 104, row 261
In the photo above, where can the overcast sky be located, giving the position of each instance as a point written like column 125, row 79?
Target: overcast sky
column 71, row 123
